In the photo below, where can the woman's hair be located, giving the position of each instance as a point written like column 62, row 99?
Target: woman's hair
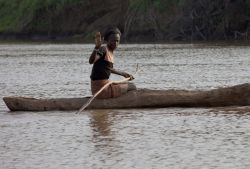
column 110, row 31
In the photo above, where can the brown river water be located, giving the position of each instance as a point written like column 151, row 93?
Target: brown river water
column 176, row 138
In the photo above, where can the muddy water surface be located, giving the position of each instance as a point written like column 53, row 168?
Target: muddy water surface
column 135, row 138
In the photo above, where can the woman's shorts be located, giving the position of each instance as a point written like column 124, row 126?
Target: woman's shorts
column 112, row 91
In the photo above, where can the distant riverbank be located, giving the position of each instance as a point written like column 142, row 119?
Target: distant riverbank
column 72, row 40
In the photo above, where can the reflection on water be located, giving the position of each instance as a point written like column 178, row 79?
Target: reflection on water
column 101, row 124
column 132, row 138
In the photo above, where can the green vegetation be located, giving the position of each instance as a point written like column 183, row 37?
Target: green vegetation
column 159, row 5
column 17, row 14
column 139, row 20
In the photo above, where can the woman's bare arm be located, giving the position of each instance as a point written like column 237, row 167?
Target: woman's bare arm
column 93, row 56
column 98, row 43
column 121, row 73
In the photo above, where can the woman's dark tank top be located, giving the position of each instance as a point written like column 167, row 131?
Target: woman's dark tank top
column 101, row 68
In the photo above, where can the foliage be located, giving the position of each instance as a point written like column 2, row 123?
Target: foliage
column 159, row 5
column 16, row 14
column 138, row 19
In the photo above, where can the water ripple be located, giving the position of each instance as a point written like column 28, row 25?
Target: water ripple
column 135, row 138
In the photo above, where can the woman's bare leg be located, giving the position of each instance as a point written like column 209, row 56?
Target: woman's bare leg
column 125, row 87
column 131, row 86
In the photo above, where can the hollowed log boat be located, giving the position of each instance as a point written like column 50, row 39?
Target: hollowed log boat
column 238, row 95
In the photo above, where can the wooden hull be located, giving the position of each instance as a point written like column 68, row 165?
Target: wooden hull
column 231, row 96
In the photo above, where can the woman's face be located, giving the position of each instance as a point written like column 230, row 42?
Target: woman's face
column 113, row 41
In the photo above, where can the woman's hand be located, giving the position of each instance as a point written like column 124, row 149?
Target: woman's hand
column 126, row 75
column 98, row 40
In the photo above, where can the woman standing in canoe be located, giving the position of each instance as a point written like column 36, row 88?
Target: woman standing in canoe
column 103, row 59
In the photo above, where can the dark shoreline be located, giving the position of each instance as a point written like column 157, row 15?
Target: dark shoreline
column 79, row 39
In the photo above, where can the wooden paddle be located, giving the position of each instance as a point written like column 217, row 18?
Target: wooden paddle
column 106, row 85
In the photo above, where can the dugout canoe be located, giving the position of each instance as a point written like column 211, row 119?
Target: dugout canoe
column 238, row 95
